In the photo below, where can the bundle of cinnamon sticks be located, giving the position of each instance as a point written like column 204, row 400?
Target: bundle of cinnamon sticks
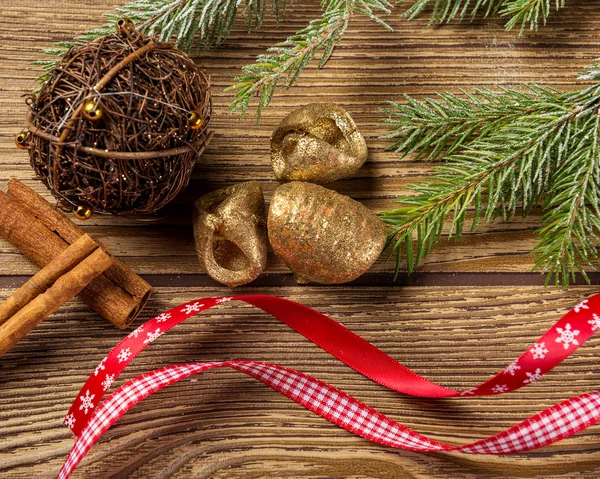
column 64, row 277
column 48, row 237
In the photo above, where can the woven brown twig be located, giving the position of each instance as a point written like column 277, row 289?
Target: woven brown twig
column 140, row 154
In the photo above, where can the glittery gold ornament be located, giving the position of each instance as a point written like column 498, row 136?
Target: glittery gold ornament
column 323, row 236
column 21, row 139
column 230, row 233
column 92, row 111
column 82, row 213
column 318, row 143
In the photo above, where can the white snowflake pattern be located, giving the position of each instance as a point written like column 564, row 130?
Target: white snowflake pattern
column 512, row 368
column 100, row 367
column 86, row 402
column 469, row 391
column 108, row 380
column 223, row 299
column 595, row 322
column 161, row 318
column 539, row 350
column 70, row 421
column 534, row 376
column 500, row 388
column 567, row 336
column 124, row 355
column 192, row 308
column 581, row 306
column 152, row 336
column 136, row 332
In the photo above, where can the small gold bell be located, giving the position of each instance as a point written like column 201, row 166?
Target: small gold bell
column 318, row 143
column 82, row 213
column 92, row 111
column 230, row 233
column 21, row 139
column 195, row 120
column 321, row 235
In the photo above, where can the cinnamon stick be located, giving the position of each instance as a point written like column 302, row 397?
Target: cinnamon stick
column 69, row 232
column 65, row 287
column 41, row 232
column 47, row 276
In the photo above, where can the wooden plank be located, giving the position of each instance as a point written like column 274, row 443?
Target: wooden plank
column 370, row 67
column 225, row 425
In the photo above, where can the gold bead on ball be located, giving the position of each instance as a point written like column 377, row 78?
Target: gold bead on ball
column 82, row 213
column 21, row 139
column 124, row 26
column 92, row 111
column 195, row 120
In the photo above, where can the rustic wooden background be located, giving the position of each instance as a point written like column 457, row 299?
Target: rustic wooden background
column 473, row 307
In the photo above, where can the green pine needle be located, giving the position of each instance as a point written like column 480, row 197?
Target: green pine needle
column 503, row 152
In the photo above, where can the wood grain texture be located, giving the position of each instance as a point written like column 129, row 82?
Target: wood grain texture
column 225, row 425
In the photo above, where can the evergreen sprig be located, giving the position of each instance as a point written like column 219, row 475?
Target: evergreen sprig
column 192, row 25
column 592, row 71
column 282, row 65
column 202, row 24
column 503, row 152
column 526, row 13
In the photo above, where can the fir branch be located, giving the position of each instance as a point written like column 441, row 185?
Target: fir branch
column 572, row 220
column 504, row 150
column 592, row 71
column 524, row 12
column 446, row 10
column 436, row 127
column 528, row 12
column 282, row 64
column 190, row 24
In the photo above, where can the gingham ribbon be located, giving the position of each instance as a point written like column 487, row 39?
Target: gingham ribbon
column 89, row 419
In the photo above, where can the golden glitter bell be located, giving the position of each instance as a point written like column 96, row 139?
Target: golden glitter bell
column 21, row 139
column 82, row 213
column 322, row 236
column 230, row 233
column 195, row 120
column 92, row 111
column 319, row 143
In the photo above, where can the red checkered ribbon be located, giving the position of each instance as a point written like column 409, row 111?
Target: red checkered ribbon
column 89, row 419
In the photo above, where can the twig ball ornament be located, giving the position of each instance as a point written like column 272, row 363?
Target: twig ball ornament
column 321, row 235
column 119, row 125
column 318, row 143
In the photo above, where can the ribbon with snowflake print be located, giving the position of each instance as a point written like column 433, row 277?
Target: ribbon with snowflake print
column 88, row 418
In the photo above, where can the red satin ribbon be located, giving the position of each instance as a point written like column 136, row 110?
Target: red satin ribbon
column 88, row 419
